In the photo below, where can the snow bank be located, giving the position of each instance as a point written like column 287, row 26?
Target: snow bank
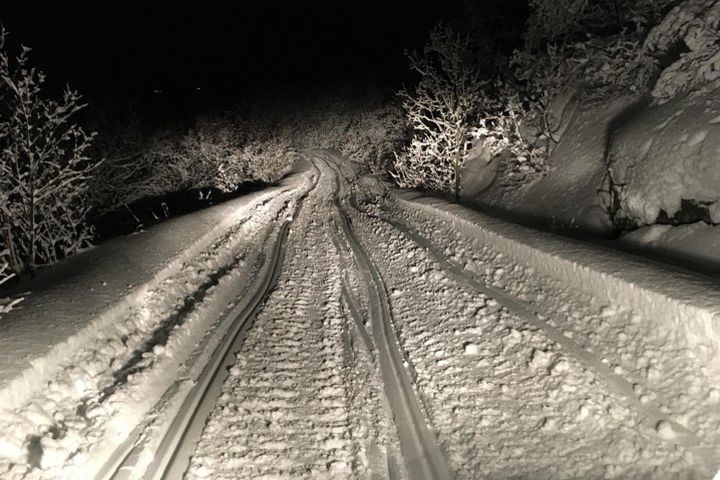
column 76, row 299
column 697, row 244
column 661, row 148
column 667, row 152
column 675, row 299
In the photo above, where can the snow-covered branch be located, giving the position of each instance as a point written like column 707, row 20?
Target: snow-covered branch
column 6, row 303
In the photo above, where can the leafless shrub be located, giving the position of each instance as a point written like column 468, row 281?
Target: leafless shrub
column 220, row 153
column 264, row 153
column 592, row 72
column 596, row 47
column 599, row 68
column 373, row 136
column 324, row 125
column 44, row 169
column 501, row 132
column 440, row 112
column 362, row 125
column 155, row 168
column 516, row 118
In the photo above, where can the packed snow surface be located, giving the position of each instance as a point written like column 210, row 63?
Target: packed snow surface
column 530, row 356
column 87, row 382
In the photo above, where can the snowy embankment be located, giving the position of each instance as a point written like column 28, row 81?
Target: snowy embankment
column 641, row 161
column 567, row 196
column 676, row 300
column 97, row 288
column 95, row 347
column 666, row 161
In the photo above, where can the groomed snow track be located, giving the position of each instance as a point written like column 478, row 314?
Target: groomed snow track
column 172, row 447
column 423, row 457
column 172, row 455
column 654, row 413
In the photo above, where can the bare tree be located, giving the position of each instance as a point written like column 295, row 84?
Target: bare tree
column 440, row 112
column 44, row 171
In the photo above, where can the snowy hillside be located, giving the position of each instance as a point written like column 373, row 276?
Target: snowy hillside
column 639, row 160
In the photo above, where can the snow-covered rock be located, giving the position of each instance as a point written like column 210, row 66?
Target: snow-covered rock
column 692, row 25
column 697, row 244
column 666, row 154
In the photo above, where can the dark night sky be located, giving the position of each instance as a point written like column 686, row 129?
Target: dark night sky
column 125, row 47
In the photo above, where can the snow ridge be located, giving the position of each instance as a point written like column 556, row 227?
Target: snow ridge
column 676, row 300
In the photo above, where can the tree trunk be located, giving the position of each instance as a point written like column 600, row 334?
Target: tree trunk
column 15, row 264
column 457, row 161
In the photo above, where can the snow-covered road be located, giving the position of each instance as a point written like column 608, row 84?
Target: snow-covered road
column 344, row 331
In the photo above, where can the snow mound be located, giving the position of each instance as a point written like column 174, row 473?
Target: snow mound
column 697, row 243
column 666, row 154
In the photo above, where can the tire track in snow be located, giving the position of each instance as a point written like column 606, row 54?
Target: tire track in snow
column 423, row 457
column 380, row 457
column 670, row 391
column 159, row 336
column 172, row 456
column 506, row 402
column 353, row 308
column 284, row 411
column 672, row 431
column 549, row 391
column 176, row 441
column 646, row 323
column 91, row 400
